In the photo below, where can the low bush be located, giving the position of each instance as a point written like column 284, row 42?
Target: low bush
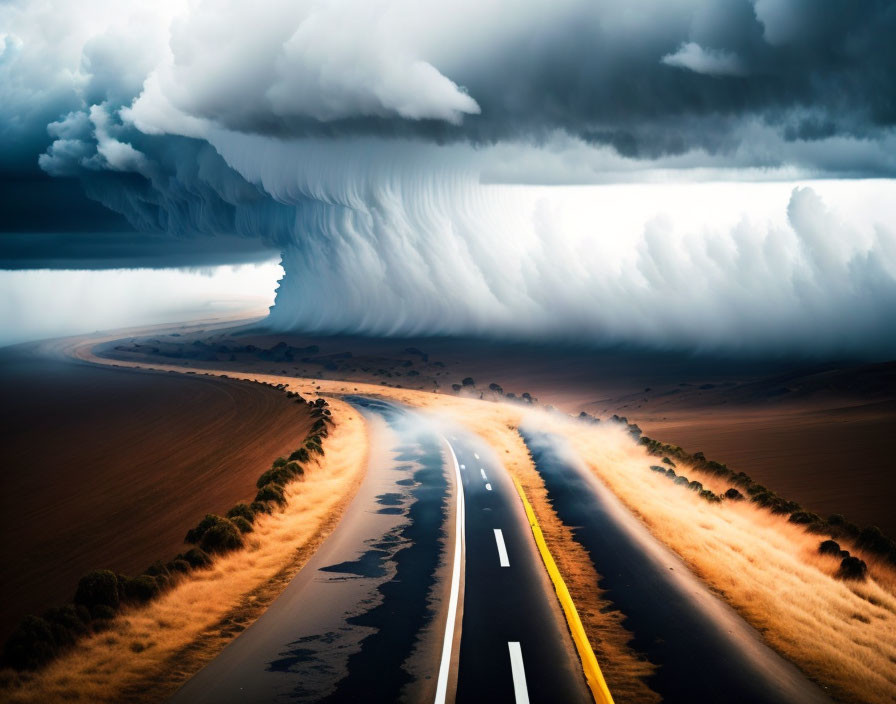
column 142, row 588
column 243, row 526
column 179, row 566
column 243, row 511
column 279, row 462
column 101, row 612
column 67, row 623
column 211, row 522
column 733, row 495
column 829, row 547
column 272, row 493
column 98, row 588
column 222, row 537
column 279, row 475
column 195, row 557
column 804, row 517
column 657, row 468
column 852, row 568
column 157, row 569
column 682, row 481
column 31, row 644
column 667, row 461
column 260, row 507
column 300, row 455
column 710, row 496
column 695, row 486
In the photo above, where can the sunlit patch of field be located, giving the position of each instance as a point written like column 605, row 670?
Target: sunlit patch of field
column 151, row 650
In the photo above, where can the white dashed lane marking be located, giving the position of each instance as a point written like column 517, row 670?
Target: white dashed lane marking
column 502, row 549
column 519, row 673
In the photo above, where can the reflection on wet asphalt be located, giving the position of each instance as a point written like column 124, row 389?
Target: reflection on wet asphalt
column 407, row 556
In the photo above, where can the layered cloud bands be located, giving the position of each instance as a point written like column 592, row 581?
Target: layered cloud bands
column 357, row 137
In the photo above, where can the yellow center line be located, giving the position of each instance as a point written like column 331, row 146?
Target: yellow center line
column 593, row 675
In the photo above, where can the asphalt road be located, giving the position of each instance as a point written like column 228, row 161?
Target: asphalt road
column 512, row 628
column 368, row 618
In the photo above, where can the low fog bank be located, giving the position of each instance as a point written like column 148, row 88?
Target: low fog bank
column 46, row 303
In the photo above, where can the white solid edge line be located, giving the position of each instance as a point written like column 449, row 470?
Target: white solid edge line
column 450, row 621
column 519, row 673
column 482, row 472
column 488, row 487
column 502, row 549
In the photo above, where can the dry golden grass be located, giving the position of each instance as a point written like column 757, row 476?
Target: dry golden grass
column 843, row 634
column 149, row 651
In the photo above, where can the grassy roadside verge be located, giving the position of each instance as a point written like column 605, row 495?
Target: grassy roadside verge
column 147, row 651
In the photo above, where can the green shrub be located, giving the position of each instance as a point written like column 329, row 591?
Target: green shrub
column 670, row 473
column 242, row 511
column 667, row 461
column 313, row 445
column 710, row 496
column 243, row 526
column 279, row 462
column 682, row 481
column 734, row 495
column 754, row 489
column 272, row 493
column 222, row 537
column 30, row 645
column 195, row 557
column 300, row 455
column 194, row 535
column 98, row 588
column 657, row 468
column 141, row 589
column 260, row 507
column 695, row 486
column 280, row 476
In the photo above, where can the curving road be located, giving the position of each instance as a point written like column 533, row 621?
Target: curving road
column 371, row 616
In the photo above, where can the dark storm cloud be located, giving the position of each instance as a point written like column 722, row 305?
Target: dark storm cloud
column 648, row 78
column 353, row 137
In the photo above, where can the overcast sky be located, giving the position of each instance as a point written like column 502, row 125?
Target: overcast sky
column 360, row 140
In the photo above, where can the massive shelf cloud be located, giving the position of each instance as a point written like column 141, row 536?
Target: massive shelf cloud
column 374, row 146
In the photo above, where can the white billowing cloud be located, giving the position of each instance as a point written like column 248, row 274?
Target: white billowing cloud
column 361, row 70
column 299, row 60
column 712, row 62
column 734, row 266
